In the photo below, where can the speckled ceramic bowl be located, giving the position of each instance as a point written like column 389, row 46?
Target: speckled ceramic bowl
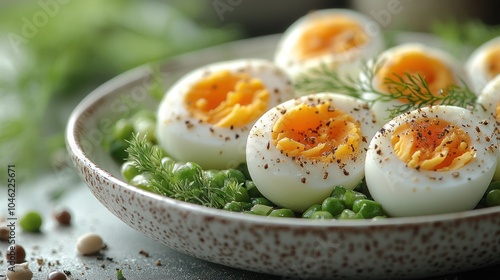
column 296, row 248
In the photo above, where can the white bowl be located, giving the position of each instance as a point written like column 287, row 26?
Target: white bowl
column 390, row 248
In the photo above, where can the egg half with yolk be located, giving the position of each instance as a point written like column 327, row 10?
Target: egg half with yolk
column 439, row 70
column 300, row 150
column 483, row 64
column 206, row 115
column 433, row 160
column 337, row 38
column 489, row 105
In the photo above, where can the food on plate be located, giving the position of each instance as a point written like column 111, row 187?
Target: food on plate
column 206, row 116
column 432, row 160
column 483, row 64
column 300, row 150
column 489, row 101
column 294, row 137
column 433, row 70
column 337, row 38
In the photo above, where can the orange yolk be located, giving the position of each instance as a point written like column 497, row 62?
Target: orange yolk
column 317, row 132
column 497, row 112
column 493, row 62
column 226, row 99
column 432, row 144
column 330, row 35
column 437, row 74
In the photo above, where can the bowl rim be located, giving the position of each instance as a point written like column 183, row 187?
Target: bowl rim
column 110, row 89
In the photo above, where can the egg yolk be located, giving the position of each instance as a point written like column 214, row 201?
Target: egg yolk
column 493, row 62
column 317, row 132
column 497, row 112
column 432, row 144
column 330, row 35
column 227, row 99
column 437, row 75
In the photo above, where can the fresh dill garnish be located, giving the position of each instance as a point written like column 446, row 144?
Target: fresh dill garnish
column 324, row 79
column 412, row 89
column 165, row 179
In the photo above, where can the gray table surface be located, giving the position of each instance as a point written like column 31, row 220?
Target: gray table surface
column 138, row 256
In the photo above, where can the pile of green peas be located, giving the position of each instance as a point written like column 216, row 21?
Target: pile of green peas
column 345, row 204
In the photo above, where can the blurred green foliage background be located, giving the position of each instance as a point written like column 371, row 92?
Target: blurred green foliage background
column 53, row 52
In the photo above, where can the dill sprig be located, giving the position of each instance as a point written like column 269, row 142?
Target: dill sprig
column 324, row 79
column 149, row 159
column 412, row 89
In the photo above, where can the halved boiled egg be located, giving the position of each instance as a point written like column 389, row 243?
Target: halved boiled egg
column 489, row 105
column 206, row 116
column 484, row 64
column 300, row 150
column 433, row 160
column 337, row 38
column 439, row 70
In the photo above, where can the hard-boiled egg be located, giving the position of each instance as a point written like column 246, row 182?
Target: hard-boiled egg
column 337, row 38
column 438, row 68
column 433, row 160
column 300, row 150
column 206, row 116
column 489, row 105
column 484, row 64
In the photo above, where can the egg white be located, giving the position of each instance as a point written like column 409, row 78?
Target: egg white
column 475, row 65
column 347, row 63
column 186, row 138
column 382, row 108
column 488, row 100
column 405, row 191
column 299, row 184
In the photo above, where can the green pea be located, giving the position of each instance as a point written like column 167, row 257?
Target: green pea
column 186, row 172
column 142, row 181
column 123, row 129
column 495, row 185
column 233, row 206
column 237, row 206
column 31, row 221
column 493, row 198
column 244, row 169
column 347, row 214
column 252, row 190
column 145, row 128
column 144, row 114
column 216, row 178
column 234, row 174
column 260, row 209
column 350, row 196
column 168, row 163
column 118, row 150
column 333, row 205
column 282, row 213
column 338, row 192
column 313, row 208
column 129, row 170
column 262, row 200
column 241, row 194
column 321, row 215
column 367, row 209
